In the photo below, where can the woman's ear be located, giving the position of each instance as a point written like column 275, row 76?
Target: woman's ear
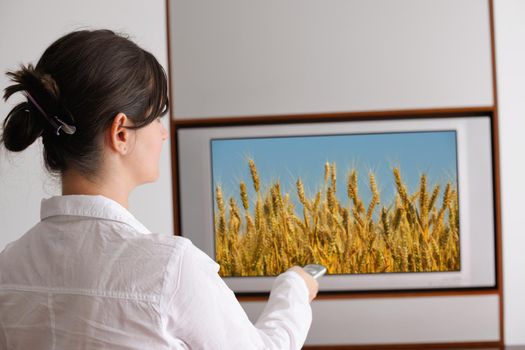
column 119, row 135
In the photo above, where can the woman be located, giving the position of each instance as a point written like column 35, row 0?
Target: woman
column 89, row 275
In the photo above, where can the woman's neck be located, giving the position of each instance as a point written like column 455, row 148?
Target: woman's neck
column 76, row 183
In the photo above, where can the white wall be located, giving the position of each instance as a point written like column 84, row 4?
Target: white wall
column 26, row 29
column 510, row 61
column 245, row 58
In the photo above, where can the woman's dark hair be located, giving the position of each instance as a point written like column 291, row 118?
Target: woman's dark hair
column 83, row 79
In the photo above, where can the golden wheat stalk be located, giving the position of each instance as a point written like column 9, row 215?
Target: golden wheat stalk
column 255, row 176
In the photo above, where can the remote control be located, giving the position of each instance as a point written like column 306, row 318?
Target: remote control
column 315, row 270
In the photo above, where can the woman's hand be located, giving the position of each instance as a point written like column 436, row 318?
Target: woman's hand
column 311, row 283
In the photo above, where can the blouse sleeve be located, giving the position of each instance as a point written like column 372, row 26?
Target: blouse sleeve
column 204, row 313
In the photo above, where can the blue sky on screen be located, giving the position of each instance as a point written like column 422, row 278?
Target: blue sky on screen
column 288, row 158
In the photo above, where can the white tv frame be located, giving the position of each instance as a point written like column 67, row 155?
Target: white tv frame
column 476, row 198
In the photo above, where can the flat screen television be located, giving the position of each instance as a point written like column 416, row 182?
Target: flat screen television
column 391, row 204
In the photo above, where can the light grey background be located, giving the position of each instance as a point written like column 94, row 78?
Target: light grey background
column 510, row 64
column 377, row 321
column 245, row 57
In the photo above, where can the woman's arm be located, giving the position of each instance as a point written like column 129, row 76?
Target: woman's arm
column 205, row 314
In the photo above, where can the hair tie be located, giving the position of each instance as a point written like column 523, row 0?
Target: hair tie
column 57, row 123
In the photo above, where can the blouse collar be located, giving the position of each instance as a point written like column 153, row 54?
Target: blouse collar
column 90, row 206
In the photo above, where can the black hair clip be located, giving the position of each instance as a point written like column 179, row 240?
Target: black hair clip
column 57, row 123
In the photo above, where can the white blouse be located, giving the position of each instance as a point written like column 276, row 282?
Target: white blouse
column 91, row 276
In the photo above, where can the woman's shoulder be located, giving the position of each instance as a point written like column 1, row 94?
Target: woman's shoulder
column 161, row 246
column 162, row 239
column 182, row 250
column 182, row 247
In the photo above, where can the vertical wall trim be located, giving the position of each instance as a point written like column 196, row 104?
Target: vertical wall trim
column 496, row 167
column 173, row 134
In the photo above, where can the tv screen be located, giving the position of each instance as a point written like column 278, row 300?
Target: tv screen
column 388, row 204
column 355, row 203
